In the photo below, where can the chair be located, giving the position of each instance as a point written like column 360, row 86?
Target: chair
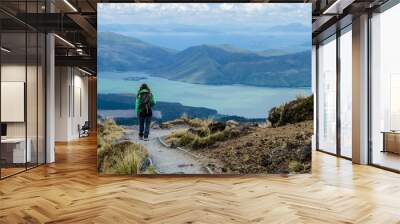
column 84, row 130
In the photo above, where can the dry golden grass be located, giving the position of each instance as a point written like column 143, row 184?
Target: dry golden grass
column 191, row 122
column 203, row 137
column 115, row 156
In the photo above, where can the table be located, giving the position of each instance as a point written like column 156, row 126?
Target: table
column 13, row 150
column 391, row 141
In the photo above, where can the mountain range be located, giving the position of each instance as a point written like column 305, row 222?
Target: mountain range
column 205, row 64
column 292, row 37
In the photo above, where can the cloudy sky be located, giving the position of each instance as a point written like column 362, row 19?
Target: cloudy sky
column 178, row 26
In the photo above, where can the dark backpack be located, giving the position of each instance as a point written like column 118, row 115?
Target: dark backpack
column 145, row 104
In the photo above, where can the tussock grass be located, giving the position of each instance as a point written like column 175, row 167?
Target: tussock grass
column 123, row 158
column 115, row 156
column 126, row 158
column 196, row 122
column 109, row 131
column 298, row 110
column 196, row 141
column 191, row 122
column 180, row 138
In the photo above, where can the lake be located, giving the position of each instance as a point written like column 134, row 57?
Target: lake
column 246, row 101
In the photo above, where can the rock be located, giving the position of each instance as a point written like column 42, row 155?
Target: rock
column 165, row 125
column 174, row 144
column 232, row 123
column 146, row 163
column 264, row 125
column 216, row 126
column 155, row 125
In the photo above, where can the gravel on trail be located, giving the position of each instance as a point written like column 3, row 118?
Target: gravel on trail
column 166, row 160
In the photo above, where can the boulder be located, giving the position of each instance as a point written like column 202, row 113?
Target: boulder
column 216, row 126
column 155, row 125
column 232, row 123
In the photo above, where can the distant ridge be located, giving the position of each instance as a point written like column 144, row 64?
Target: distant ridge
column 205, row 64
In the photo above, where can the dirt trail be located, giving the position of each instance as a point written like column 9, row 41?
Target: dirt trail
column 167, row 160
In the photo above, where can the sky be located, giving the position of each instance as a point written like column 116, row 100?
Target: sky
column 254, row 26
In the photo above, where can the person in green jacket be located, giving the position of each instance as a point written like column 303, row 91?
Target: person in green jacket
column 143, row 107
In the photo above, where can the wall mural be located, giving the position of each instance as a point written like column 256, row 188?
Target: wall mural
column 220, row 88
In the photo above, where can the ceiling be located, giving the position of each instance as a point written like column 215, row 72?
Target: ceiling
column 332, row 15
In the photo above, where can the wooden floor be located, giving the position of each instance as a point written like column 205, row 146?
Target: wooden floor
column 386, row 159
column 5, row 172
column 70, row 191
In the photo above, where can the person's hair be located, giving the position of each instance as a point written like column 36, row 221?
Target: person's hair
column 144, row 86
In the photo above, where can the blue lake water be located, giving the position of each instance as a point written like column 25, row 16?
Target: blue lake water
column 246, row 101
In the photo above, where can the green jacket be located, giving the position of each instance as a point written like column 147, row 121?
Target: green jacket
column 137, row 102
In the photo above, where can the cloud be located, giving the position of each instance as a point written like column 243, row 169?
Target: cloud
column 266, row 14
column 156, row 8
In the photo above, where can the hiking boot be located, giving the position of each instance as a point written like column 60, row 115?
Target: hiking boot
column 146, row 138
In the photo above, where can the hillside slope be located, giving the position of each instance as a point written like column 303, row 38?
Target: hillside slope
column 122, row 53
column 205, row 64
column 285, row 149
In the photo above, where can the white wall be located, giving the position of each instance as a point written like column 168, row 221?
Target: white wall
column 71, row 94
column 62, row 82
column 10, row 73
column 80, row 110
column 33, row 126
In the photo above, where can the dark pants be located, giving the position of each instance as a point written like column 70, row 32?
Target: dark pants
column 144, row 126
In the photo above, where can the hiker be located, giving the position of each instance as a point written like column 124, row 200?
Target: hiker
column 144, row 102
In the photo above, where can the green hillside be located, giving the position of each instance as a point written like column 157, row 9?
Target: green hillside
column 205, row 64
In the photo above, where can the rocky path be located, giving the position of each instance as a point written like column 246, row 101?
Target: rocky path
column 167, row 160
